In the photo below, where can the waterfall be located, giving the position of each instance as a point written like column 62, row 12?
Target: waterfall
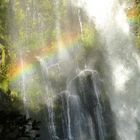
column 23, row 88
column 120, row 54
column 74, row 108
column 49, row 100
column 87, row 83
column 80, row 22
column 86, row 87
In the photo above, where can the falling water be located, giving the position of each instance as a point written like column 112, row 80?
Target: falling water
column 80, row 22
column 90, row 101
column 23, row 88
column 112, row 25
column 48, row 99
column 69, row 120
column 99, row 111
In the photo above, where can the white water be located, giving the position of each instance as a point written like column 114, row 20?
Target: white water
column 69, row 119
column 80, row 22
column 48, row 99
column 99, row 111
column 122, row 58
column 121, row 71
column 23, row 88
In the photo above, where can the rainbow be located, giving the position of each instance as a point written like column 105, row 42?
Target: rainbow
column 133, row 14
column 17, row 69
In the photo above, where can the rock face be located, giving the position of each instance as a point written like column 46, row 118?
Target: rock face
column 82, row 112
column 88, row 86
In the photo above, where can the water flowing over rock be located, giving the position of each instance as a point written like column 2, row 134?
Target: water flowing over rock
column 82, row 111
column 79, row 67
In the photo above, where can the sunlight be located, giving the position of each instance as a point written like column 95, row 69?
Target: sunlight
column 99, row 9
column 122, row 20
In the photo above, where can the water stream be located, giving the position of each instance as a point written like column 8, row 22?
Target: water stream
column 90, row 91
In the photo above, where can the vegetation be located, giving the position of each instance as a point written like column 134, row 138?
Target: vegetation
column 28, row 29
column 133, row 14
column 13, row 124
column 4, row 55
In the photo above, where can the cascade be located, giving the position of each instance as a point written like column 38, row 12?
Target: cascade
column 84, row 96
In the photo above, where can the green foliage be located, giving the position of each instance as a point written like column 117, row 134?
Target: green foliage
column 3, row 23
column 138, row 38
column 4, row 84
column 2, row 55
column 3, row 69
column 3, row 45
column 88, row 36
